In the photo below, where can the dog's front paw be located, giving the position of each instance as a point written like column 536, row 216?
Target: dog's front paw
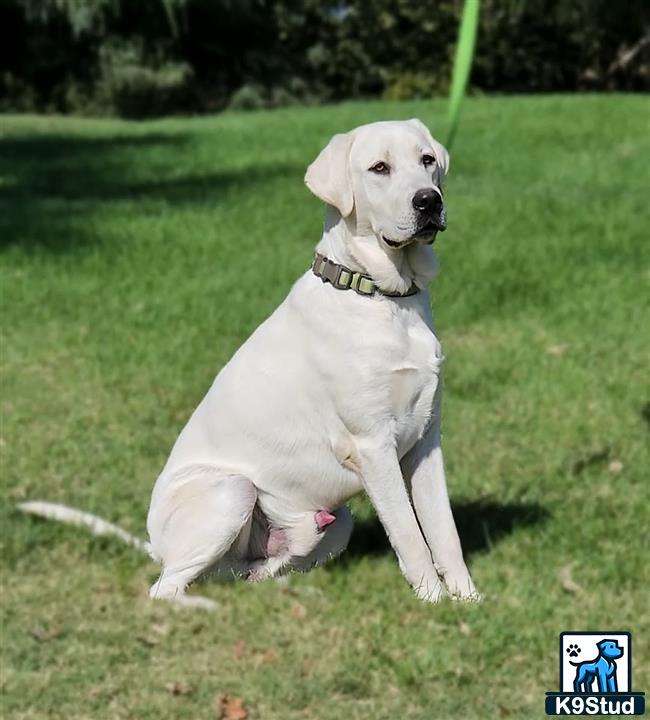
column 473, row 597
column 461, row 587
column 431, row 591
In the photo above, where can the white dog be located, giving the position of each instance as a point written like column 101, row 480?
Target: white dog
column 338, row 392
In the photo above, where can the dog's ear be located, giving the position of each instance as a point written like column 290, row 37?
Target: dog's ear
column 328, row 177
column 439, row 150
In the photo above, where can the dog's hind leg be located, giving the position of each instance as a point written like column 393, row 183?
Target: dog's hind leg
column 334, row 540
column 298, row 542
column 579, row 680
column 193, row 522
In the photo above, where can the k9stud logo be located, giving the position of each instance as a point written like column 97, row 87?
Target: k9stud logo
column 595, row 676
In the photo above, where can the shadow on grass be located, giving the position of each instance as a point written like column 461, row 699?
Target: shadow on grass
column 645, row 414
column 51, row 185
column 481, row 524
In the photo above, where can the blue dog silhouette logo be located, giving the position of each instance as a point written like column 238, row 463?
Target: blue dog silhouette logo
column 595, row 676
column 602, row 669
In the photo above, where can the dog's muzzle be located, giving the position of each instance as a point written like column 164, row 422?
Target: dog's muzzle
column 429, row 227
column 432, row 216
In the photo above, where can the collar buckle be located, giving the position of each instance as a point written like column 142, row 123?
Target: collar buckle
column 343, row 278
column 338, row 275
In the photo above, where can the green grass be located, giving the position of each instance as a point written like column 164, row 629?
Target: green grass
column 138, row 257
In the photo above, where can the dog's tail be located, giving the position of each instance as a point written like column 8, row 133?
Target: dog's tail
column 71, row 516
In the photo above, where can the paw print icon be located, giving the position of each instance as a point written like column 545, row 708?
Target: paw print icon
column 573, row 650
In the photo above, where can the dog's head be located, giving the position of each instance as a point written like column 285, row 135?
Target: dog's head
column 387, row 177
column 610, row 649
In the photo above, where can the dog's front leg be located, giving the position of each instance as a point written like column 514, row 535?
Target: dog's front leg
column 603, row 680
column 383, row 482
column 424, row 469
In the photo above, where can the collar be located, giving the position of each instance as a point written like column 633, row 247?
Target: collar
column 342, row 278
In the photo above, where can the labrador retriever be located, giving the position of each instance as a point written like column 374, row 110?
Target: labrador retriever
column 338, row 392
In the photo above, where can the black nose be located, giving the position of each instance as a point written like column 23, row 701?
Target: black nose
column 427, row 200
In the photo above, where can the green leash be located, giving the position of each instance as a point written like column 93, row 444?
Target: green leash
column 462, row 65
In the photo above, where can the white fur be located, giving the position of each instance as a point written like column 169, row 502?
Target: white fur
column 71, row 516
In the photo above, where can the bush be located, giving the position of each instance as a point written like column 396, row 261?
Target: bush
column 131, row 86
column 255, row 97
column 248, row 97
column 294, row 92
column 203, row 55
column 415, row 85
column 16, row 95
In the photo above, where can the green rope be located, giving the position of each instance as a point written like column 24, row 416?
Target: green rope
column 462, row 64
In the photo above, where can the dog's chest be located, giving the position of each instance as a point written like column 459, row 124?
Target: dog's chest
column 412, row 382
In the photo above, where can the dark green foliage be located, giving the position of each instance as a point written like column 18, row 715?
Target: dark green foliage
column 542, row 45
column 248, row 97
column 154, row 57
column 133, row 87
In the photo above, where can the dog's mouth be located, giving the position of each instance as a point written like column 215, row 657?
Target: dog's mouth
column 431, row 228
column 428, row 231
column 395, row 243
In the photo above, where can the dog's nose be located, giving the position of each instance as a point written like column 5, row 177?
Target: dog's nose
column 427, row 200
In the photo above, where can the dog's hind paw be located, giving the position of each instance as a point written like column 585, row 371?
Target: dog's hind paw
column 261, row 570
column 190, row 601
column 195, row 601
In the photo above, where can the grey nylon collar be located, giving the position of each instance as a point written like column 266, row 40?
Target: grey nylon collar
column 342, row 278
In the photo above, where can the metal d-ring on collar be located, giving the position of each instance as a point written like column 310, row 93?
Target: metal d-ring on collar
column 342, row 278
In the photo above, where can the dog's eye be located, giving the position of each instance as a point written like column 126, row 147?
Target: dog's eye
column 428, row 160
column 380, row 168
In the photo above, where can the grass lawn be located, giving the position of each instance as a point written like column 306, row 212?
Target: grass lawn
column 137, row 257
